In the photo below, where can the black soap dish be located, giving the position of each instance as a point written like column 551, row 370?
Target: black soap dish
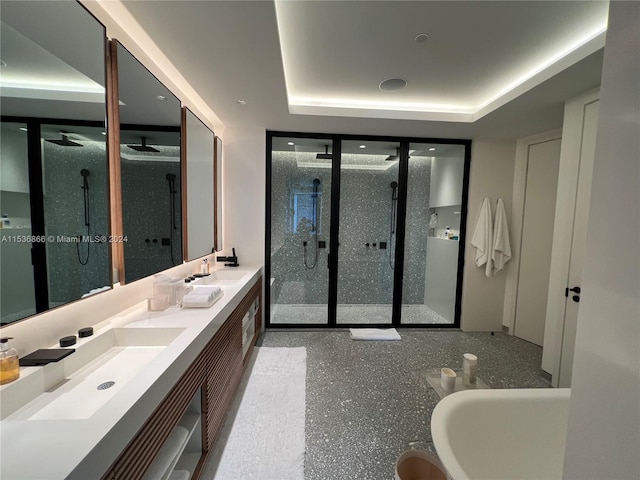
column 45, row 356
column 85, row 332
column 68, row 341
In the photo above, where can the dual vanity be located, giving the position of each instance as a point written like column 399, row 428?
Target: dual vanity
column 143, row 398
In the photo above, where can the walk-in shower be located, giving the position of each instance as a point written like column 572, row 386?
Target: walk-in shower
column 369, row 254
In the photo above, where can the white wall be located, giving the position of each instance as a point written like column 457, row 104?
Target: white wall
column 603, row 437
column 491, row 175
column 244, row 179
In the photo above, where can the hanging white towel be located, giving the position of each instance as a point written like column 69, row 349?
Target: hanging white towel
column 483, row 237
column 501, row 245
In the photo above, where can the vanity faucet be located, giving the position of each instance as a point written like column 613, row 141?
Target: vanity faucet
column 233, row 260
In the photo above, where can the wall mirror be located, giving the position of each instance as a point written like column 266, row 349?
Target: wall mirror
column 54, row 188
column 218, row 198
column 199, row 152
column 150, row 170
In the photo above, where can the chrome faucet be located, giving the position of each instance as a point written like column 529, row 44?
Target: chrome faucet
column 233, row 260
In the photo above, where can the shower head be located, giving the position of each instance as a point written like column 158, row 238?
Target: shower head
column 391, row 158
column 170, row 177
column 326, row 155
column 316, row 182
column 85, row 173
column 394, row 185
column 64, row 142
column 143, row 147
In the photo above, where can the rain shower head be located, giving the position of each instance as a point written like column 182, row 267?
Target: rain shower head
column 326, row 155
column 391, row 158
column 143, row 147
column 64, row 142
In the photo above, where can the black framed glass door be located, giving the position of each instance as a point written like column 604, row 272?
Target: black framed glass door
column 351, row 232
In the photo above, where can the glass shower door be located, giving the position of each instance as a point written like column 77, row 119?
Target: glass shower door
column 300, row 225
column 367, row 231
column 433, row 221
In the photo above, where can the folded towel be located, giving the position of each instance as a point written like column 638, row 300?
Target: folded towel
column 206, row 290
column 374, row 334
column 501, row 246
column 483, row 237
column 193, row 298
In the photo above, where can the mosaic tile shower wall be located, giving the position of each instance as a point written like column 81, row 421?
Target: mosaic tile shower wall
column 146, row 205
column 365, row 273
column 291, row 188
column 65, row 217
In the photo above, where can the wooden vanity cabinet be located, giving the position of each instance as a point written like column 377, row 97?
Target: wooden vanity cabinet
column 216, row 373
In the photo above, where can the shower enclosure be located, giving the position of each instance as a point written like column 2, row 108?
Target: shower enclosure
column 356, row 230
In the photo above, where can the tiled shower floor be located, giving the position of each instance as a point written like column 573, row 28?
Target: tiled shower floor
column 369, row 401
column 352, row 313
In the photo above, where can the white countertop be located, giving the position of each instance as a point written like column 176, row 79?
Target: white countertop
column 85, row 448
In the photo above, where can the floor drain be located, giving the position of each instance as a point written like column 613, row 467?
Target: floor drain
column 105, row 385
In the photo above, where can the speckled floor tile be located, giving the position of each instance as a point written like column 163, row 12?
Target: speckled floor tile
column 352, row 314
column 367, row 402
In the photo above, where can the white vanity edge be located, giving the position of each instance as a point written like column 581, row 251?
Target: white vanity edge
column 85, row 449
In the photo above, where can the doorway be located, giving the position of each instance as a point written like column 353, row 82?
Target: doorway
column 355, row 232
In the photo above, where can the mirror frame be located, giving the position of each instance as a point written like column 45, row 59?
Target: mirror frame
column 117, row 215
column 38, row 249
column 188, row 256
column 217, row 200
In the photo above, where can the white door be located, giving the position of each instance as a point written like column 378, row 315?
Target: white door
column 572, row 211
column 537, row 238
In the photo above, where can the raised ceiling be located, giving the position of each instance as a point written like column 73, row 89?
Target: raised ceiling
column 487, row 68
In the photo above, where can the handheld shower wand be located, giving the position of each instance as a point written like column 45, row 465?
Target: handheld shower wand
column 314, row 198
column 87, row 216
column 171, row 178
column 392, row 219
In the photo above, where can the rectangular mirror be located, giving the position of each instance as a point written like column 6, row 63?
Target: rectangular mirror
column 199, row 181
column 150, row 170
column 54, row 185
column 218, row 202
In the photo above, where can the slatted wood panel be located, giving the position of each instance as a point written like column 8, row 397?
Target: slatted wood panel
column 217, row 370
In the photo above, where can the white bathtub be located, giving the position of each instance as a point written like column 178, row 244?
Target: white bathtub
column 513, row 434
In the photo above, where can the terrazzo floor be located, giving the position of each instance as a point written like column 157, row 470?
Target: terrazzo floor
column 352, row 314
column 367, row 402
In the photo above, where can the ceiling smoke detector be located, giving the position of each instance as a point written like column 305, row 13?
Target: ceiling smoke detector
column 422, row 37
column 393, row 84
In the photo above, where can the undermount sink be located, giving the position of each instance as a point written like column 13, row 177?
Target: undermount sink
column 85, row 380
column 227, row 277
column 502, row 434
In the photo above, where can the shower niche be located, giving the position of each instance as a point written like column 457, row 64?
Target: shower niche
column 356, row 230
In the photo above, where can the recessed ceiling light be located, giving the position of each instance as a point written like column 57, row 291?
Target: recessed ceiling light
column 103, row 133
column 393, row 84
column 290, row 143
column 241, row 102
column 23, row 129
column 162, row 98
column 363, row 146
column 431, row 149
column 422, row 37
column 3, row 64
